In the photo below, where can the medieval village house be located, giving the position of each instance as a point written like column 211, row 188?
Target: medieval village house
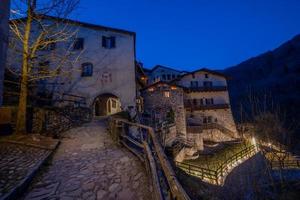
column 202, row 98
column 101, row 71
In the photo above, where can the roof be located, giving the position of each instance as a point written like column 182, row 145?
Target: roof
column 202, row 70
column 160, row 82
column 160, row 66
column 84, row 24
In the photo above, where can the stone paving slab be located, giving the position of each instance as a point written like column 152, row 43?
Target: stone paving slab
column 88, row 165
column 20, row 158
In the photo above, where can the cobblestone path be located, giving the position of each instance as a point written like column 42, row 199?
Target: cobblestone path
column 87, row 165
column 16, row 163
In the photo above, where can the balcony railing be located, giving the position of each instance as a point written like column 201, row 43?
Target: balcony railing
column 193, row 107
column 206, row 89
column 199, row 128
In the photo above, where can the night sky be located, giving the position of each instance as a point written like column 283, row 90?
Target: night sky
column 189, row 34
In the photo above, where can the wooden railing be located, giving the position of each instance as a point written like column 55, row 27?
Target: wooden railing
column 285, row 164
column 205, row 89
column 192, row 107
column 218, row 175
column 142, row 141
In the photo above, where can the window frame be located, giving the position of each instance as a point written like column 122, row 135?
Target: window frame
column 78, row 44
column 85, row 72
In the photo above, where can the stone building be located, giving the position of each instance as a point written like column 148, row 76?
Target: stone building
column 101, row 71
column 4, row 16
column 207, row 105
column 163, row 103
column 162, row 73
column 202, row 103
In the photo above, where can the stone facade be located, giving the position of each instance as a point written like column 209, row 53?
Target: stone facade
column 4, row 16
column 160, row 101
column 110, row 69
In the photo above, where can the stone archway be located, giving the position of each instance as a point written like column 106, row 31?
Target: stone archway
column 106, row 104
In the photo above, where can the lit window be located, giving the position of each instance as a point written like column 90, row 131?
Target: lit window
column 167, row 94
column 87, row 69
column 108, row 42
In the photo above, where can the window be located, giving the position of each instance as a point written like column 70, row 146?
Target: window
column 194, row 84
column 50, row 46
column 78, row 44
column 201, row 101
column 44, row 67
column 206, row 75
column 209, row 119
column 209, row 101
column 113, row 103
column 195, row 102
column 108, row 42
column 193, row 75
column 167, row 94
column 87, row 69
column 169, row 77
column 163, row 77
column 173, row 76
column 207, row 83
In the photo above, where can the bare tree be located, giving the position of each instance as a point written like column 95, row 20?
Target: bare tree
column 33, row 35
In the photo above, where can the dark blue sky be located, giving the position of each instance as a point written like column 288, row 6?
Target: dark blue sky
column 189, row 34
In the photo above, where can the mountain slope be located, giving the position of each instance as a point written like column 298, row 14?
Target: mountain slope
column 275, row 74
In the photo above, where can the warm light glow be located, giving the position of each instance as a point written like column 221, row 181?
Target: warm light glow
column 173, row 87
column 143, row 78
column 151, row 89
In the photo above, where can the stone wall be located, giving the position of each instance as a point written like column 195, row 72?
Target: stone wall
column 53, row 121
column 159, row 100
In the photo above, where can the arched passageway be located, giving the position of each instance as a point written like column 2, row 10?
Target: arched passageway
column 106, row 104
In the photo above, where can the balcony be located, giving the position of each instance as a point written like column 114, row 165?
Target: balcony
column 191, row 107
column 206, row 89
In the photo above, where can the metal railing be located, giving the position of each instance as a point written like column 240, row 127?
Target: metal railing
column 142, row 141
column 218, row 175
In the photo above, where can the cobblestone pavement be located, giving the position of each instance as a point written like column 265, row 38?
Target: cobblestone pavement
column 87, row 165
column 16, row 163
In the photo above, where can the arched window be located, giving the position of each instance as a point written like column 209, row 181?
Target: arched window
column 87, row 69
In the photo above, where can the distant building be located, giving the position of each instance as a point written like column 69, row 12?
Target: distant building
column 202, row 97
column 101, row 71
column 162, row 73
column 4, row 17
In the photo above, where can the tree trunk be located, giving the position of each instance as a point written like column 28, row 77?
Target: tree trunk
column 21, row 117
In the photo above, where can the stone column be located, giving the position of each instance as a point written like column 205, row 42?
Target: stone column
column 4, row 17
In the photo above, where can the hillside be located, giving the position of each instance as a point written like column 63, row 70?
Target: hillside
column 275, row 79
